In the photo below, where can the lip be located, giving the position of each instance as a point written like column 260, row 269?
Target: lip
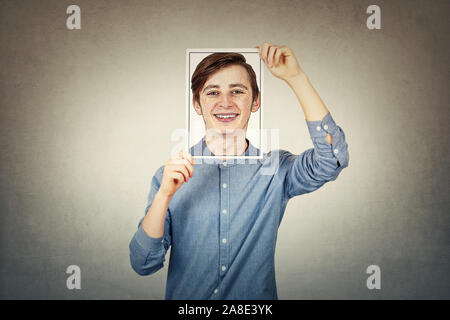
column 226, row 114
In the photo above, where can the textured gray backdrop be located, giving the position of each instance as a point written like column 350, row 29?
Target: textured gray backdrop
column 86, row 118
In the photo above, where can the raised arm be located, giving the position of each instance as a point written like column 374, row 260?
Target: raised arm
column 314, row 167
column 281, row 62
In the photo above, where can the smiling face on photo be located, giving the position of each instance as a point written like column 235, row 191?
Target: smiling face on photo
column 225, row 100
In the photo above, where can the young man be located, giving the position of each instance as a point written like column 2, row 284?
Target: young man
column 222, row 226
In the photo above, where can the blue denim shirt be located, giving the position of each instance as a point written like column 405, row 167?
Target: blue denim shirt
column 222, row 225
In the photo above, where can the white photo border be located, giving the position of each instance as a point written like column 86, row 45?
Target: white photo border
column 188, row 98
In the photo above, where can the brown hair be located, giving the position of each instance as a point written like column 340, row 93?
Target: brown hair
column 216, row 61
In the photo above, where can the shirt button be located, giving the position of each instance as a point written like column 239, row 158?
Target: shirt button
column 224, row 268
column 224, row 211
column 224, row 240
column 216, row 290
column 224, row 185
column 336, row 151
column 318, row 128
column 325, row 127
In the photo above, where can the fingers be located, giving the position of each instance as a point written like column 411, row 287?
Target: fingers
column 264, row 51
column 286, row 51
column 270, row 53
column 273, row 55
column 186, row 155
column 176, row 176
column 181, row 168
column 185, row 163
column 277, row 57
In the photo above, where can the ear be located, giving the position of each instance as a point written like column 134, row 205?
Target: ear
column 256, row 103
column 197, row 107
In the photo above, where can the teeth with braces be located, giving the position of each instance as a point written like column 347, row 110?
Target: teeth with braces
column 225, row 117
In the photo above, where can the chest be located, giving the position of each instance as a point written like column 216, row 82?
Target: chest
column 218, row 200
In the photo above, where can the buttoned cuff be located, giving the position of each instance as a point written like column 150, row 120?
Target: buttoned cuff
column 320, row 128
column 148, row 243
column 318, row 131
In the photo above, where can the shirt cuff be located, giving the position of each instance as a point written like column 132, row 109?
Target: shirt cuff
column 320, row 128
column 148, row 243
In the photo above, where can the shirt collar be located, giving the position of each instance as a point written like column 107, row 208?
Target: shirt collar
column 201, row 149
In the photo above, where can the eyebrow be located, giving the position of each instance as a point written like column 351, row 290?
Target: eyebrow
column 231, row 85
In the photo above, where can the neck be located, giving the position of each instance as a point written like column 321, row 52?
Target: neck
column 226, row 144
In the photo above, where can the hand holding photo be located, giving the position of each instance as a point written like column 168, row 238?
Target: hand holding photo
column 280, row 60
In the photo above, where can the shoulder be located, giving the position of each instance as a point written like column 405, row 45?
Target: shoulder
column 278, row 154
column 279, row 160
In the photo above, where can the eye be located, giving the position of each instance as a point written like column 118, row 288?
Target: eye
column 212, row 93
column 238, row 91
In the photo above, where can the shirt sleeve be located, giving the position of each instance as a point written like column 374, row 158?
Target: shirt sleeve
column 316, row 166
column 147, row 254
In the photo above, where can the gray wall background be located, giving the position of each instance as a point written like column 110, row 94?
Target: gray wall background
column 86, row 118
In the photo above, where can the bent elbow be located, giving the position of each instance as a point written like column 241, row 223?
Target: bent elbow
column 144, row 270
column 344, row 160
column 145, row 266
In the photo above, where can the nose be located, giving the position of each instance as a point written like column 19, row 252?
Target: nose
column 226, row 101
